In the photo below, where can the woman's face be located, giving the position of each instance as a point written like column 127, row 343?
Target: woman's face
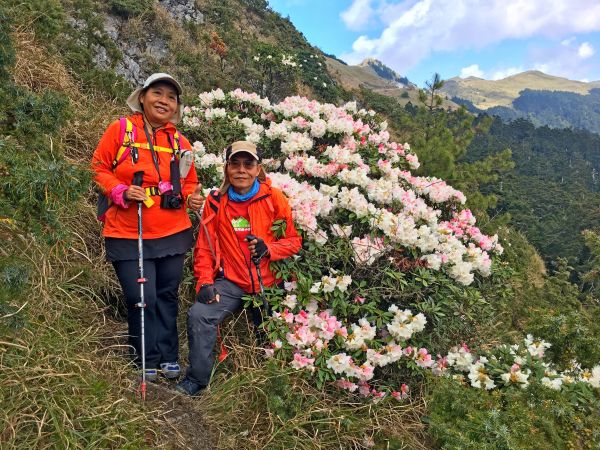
column 242, row 170
column 160, row 103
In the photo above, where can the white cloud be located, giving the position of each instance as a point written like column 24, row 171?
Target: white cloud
column 585, row 50
column 416, row 28
column 506, row 72
column 358, row 15
column 471, row 71
column 568, row 61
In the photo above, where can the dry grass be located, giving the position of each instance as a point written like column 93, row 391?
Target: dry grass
column 57, row 373
column 37, row 70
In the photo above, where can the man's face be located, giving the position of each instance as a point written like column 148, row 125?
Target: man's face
column 242, row 170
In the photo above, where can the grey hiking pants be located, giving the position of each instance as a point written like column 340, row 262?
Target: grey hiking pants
column 202, row 323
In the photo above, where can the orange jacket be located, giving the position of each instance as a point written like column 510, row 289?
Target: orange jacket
column 157, row 222
column 218, row 247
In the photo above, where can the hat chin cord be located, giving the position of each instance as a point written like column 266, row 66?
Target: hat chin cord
column 154, row 128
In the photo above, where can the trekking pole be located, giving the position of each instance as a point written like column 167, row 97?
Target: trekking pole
column 137, row 181
column 256, row 261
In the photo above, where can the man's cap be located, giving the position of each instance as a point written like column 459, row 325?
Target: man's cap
column 243, row 147
column 133, row 101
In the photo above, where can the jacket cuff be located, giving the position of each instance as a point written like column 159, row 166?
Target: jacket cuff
column 201, row 282
column 116, row 195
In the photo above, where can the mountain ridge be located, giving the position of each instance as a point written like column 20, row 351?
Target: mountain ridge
column 485, row 94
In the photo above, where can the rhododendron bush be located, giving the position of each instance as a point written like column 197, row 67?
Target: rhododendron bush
column 357, row 299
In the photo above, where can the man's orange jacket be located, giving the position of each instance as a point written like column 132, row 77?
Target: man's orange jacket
column 218, row 247
column 157, row 222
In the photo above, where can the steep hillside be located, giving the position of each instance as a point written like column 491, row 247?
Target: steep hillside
column 64, row 382
column 552, row 194
column 485, row 94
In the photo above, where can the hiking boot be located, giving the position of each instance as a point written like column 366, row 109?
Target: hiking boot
column 189, row 387
column 170, row 370
column 151, row 374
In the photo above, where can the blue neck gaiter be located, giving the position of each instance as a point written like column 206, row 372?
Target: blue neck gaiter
column 235, row 197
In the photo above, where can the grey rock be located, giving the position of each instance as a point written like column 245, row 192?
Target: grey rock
column 183, row 10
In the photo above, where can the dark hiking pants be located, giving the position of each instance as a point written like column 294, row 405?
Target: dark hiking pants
column 160, row 315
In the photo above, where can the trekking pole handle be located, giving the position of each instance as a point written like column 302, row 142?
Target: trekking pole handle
column 138, row 178
column 255, row 259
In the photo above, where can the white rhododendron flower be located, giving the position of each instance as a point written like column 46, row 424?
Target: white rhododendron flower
column 536, row 348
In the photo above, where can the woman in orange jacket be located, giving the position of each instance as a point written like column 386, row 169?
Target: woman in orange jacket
column 148, row 142
column 246, row 204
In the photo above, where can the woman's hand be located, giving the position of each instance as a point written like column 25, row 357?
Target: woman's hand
column 196, row 200
column 134, row 194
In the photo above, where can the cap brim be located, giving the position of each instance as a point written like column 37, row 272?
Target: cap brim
column 242, row 150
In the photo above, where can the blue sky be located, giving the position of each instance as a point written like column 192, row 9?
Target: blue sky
column 490, row 39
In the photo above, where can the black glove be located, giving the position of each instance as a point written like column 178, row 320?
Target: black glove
column 207, row 293
column 260, row 247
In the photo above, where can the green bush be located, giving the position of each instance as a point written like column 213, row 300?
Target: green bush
column 534, row 418
column 130, row 8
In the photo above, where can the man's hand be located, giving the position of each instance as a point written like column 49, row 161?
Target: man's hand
column 208, row 294
column 257, row 247
column 196, row 200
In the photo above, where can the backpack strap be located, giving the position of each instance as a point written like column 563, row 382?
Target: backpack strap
column 127, row 138
column 216, row 195
column 176, row 143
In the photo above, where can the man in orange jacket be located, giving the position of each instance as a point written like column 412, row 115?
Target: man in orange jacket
column 246, row 204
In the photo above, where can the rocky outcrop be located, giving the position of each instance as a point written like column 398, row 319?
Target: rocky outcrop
column 183, row 10
column 139, row 57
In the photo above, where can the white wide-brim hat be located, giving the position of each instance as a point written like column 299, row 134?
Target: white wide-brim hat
column 133, row 101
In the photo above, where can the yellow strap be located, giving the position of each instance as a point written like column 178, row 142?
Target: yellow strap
column 176, row 138
column 127, row 143
column 149, row 202
column 156, row 147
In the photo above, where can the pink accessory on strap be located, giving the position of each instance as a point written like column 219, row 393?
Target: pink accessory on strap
column 165, row 186
column 116, row 195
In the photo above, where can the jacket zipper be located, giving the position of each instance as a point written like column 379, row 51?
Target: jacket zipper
column 249, row 267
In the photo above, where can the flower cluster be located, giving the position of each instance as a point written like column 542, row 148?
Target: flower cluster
column 515, row 365
column 324, row 149
column 354, row 352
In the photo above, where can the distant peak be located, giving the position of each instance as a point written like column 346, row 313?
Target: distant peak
column 371, row 62
column 384, row 71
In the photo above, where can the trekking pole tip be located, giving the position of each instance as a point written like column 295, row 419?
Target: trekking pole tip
column 143, row 391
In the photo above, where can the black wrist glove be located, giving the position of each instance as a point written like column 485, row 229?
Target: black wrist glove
column 207, row 293
column 260, row 248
